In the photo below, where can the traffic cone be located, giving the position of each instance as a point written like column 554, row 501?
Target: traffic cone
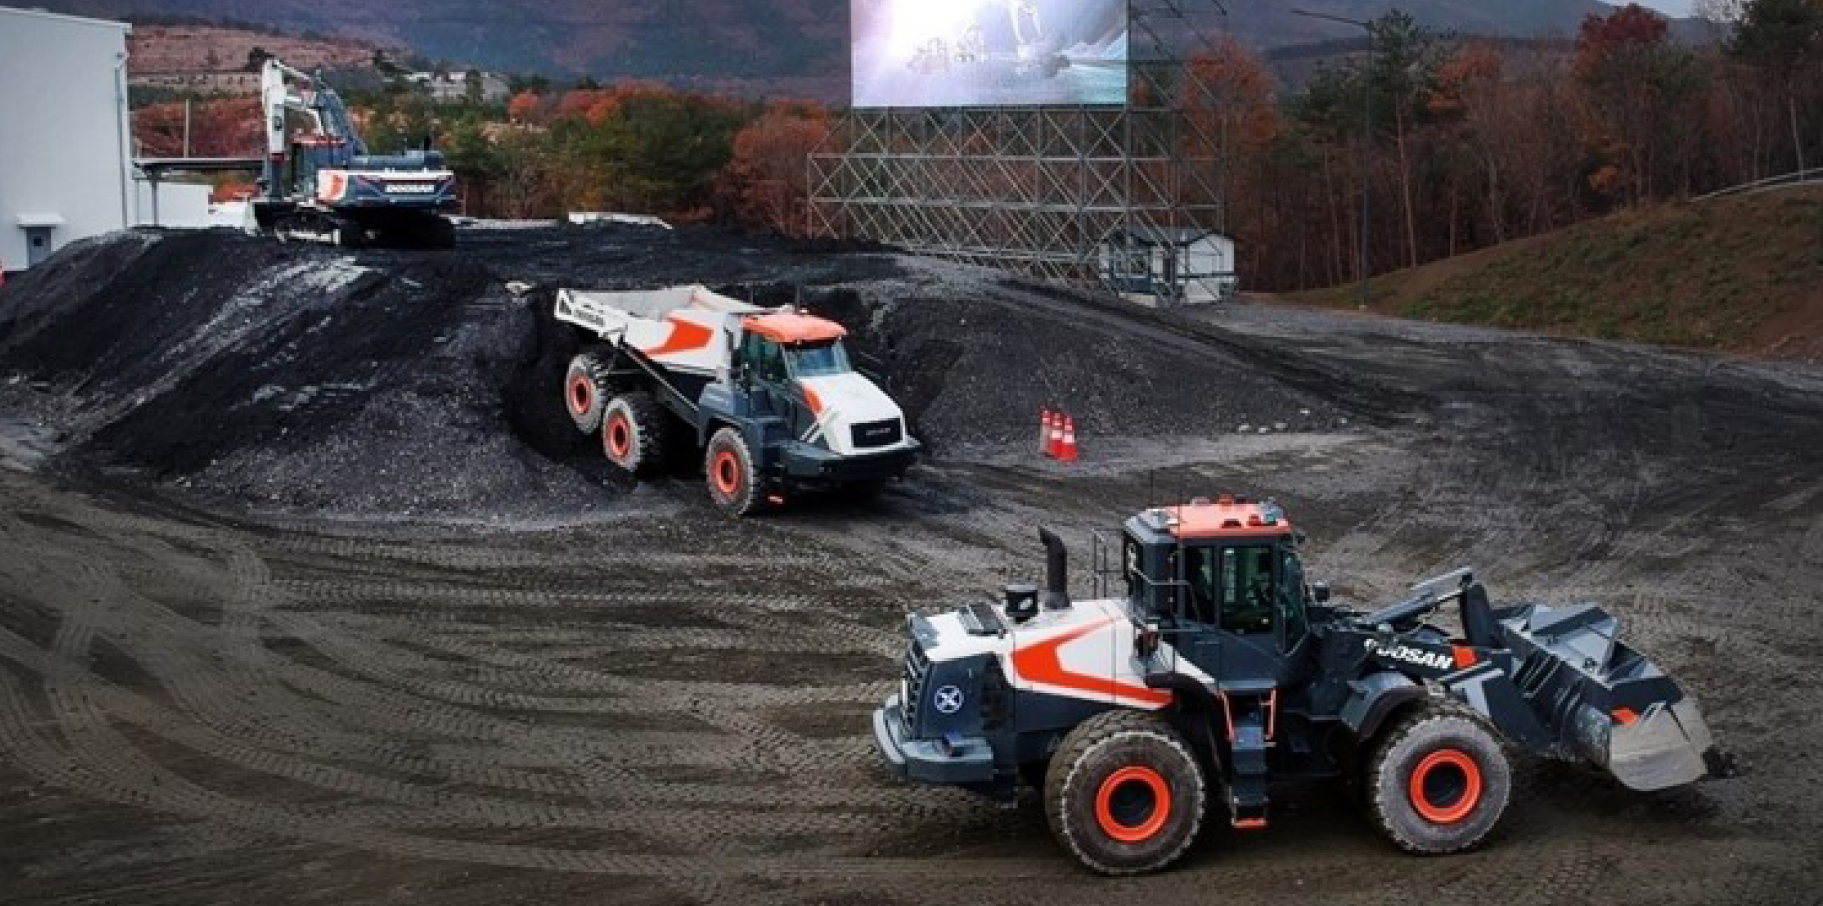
column 1044, row 432
column 1054, row 444
column 1066, row 449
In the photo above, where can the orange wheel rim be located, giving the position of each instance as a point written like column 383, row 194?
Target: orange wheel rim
column 726, row 472
column 582, row 394
column 1133, row 804
column 620, row 437
column 1445, row 786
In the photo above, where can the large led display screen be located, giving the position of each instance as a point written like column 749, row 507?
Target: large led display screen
column 989, row 53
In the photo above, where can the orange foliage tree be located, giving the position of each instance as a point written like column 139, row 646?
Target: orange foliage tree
column 523, row 107
column 767, row 177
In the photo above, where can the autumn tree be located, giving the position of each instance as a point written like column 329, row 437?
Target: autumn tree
column 1332, row 126
column 1469, row 105
column 1403, row 75
column 522, row 107
column 767, row 177
column 1641, row 85
column 474, row 160
column 1233, row 117
column 1783, row 40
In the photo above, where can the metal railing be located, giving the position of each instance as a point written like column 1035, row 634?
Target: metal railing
column 1794, row 178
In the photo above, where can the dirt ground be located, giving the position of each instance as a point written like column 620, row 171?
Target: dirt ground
column 639, row 702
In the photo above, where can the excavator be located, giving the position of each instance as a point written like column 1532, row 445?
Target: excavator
column 319, row 183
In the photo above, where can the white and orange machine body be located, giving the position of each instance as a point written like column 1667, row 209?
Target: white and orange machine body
column 1207, row 640
column 320, row 183
column 781, row 377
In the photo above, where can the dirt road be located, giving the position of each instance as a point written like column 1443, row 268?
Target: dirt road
column 652, row 705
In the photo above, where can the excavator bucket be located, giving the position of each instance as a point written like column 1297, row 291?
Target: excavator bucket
column 1604, row 701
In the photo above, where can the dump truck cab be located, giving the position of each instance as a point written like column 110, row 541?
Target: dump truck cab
column 797, row 366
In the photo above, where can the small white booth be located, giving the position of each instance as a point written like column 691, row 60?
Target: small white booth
column 1169, row 266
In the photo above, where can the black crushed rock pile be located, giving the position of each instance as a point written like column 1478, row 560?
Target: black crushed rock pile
column 975, row 364
column 280, row 377
column 412, row 385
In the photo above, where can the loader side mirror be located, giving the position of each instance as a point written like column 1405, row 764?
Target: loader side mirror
column 1319, row 592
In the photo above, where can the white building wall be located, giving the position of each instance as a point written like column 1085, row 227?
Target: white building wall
column 179, row 204
column 63, row 129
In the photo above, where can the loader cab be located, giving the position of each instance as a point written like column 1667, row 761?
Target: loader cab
column 1223, row 582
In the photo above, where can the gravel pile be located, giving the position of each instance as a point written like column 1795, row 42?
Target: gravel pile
column 252, row 374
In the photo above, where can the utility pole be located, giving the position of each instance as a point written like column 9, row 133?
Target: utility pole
column 1367, row 126
column 186, row 127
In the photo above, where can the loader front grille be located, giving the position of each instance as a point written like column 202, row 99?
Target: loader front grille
column 917, row 671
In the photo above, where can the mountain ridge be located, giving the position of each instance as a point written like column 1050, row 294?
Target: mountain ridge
column 797, row 43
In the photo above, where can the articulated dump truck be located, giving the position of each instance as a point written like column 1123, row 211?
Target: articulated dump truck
column 767, row 396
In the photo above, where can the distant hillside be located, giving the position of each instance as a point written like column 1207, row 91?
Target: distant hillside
column 799, row 43
column 156, row 48
column 1740, row 274
column 212, row 59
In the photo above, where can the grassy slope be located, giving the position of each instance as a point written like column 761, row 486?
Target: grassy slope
column 1738, row 274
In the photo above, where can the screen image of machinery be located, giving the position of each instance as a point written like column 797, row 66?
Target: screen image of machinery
column 989, row 53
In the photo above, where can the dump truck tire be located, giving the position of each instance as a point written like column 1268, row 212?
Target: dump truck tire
column 1124, row 794
column 730, row 473
column 585, row 391
column 1438, row 781
column 634, row 433
column 350, row 235
column 865, row 491
column 439, row 233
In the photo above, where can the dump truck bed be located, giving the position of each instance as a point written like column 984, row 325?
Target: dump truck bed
column 608, row 312
column 681, row 329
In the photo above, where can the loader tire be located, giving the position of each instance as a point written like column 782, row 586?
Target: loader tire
column 1124, row 794
column 1438, row 781
column 731, row 474
column 585, row 391
column 634, row 433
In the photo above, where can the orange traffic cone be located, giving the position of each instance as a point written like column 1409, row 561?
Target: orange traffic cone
column 1054, row 443
column 1044, row 432
column 1066, row 449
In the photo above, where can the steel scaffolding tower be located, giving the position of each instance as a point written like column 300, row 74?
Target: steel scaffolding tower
column 1114, row 195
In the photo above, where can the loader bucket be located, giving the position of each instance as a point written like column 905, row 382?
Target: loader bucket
column 1605, row 702
column 1665, row 747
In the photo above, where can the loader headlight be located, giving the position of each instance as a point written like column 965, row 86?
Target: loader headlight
column 1145, row 644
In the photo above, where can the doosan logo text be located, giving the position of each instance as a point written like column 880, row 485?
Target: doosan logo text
column 1410, row 655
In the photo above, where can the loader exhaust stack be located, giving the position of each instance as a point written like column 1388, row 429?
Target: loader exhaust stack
column 1056, row 572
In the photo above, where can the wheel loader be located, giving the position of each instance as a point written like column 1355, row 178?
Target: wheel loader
column 1215, row 670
